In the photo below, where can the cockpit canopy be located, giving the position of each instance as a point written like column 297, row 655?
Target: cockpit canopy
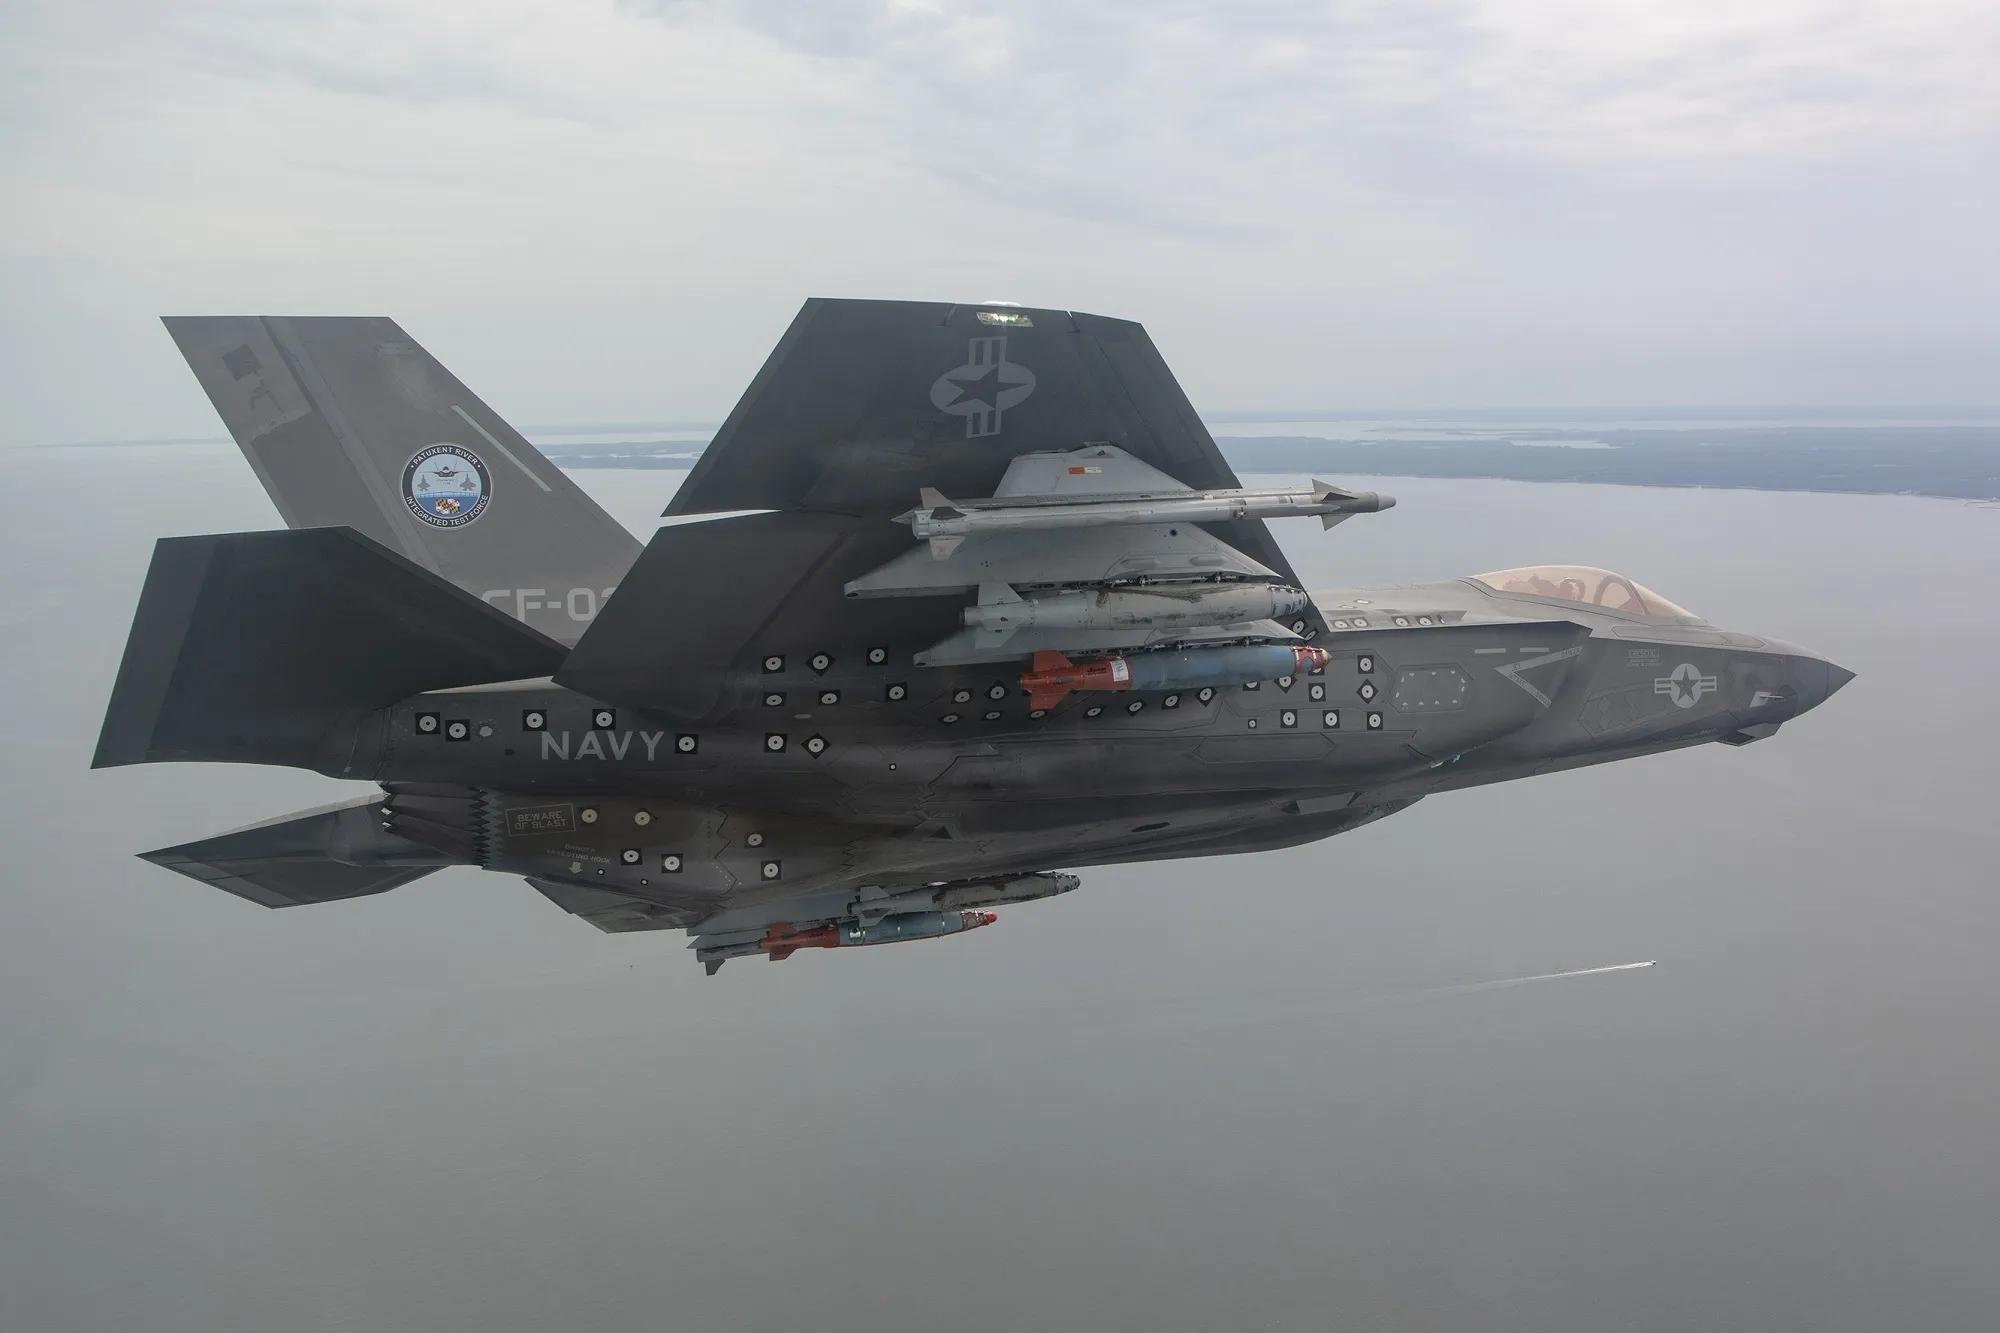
column 1586, row 587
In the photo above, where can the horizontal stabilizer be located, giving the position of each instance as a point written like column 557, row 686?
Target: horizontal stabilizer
column 253, row 647
column 339, row 851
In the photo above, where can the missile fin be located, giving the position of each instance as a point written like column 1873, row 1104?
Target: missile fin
column 942, row 547
column 1328, row 520
column 1043, row 694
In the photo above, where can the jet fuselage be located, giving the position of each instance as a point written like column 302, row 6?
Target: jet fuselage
column 833, row 770
column 958, row 594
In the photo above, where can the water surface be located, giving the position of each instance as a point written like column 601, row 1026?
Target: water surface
column 1206, row 1095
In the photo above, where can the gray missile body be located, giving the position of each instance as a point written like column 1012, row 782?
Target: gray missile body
column 912, row 926
column 938, row 517
column 1195, row 667
column 956, row 897
column 1000, row 609
column 783, row 939
column 1053, row 676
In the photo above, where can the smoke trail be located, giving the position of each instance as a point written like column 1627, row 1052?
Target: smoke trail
column 1393, row 999
column 1470, row 987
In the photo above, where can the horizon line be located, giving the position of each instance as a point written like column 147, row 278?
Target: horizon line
column 1964, row 414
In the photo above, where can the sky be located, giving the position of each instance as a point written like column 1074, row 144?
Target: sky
column 602, row 210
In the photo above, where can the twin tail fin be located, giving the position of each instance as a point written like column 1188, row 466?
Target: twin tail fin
column 349, row 423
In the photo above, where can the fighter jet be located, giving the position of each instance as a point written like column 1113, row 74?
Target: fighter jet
column 961, row 598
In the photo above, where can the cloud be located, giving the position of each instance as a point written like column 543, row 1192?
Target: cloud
column 1584, row 80
column 614, row 206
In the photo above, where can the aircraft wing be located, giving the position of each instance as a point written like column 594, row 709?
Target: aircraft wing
column 862, row 403
column 863, row 408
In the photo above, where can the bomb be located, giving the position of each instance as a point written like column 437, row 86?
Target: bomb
column 1053, row 676
column 781, row 941
column 1001, row 610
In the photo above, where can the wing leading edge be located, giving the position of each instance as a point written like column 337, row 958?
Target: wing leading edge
column 862, row 408
column 863, row 404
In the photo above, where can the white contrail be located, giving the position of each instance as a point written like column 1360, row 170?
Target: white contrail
column 1557, row 976
column 1395, row 999
column 1474, row 987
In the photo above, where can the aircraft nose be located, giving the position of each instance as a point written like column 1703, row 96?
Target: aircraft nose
column 1819, row 680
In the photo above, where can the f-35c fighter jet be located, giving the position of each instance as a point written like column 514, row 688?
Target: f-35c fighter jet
column 982, row 603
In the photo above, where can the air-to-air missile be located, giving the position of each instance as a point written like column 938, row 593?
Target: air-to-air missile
column 953, row 897
column 939, row 518
column 921, row 913
column 1053, row 675
column 781, row 941
column 1000, row 608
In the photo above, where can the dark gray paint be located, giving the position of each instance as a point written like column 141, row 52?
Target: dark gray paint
column 322, row 856
column 274, row 647
column 734, row 731
column 842, row 419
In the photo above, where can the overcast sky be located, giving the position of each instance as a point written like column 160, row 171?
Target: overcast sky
column 608, row 211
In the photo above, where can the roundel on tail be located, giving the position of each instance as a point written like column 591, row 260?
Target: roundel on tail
column 446, row 486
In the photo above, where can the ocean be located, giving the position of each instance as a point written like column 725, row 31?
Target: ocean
column 1259, row 1092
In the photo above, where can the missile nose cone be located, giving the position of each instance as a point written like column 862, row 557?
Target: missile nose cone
column 1387, row 501
column 1836, row 676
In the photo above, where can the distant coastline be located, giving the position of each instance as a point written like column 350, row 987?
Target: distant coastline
column 1955, row 459
column 1945, row 453
column 1956, row 462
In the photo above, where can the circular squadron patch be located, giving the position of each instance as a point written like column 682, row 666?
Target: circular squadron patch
column 446, row 486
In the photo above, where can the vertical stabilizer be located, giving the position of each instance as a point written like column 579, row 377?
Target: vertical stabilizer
column 349, row 423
